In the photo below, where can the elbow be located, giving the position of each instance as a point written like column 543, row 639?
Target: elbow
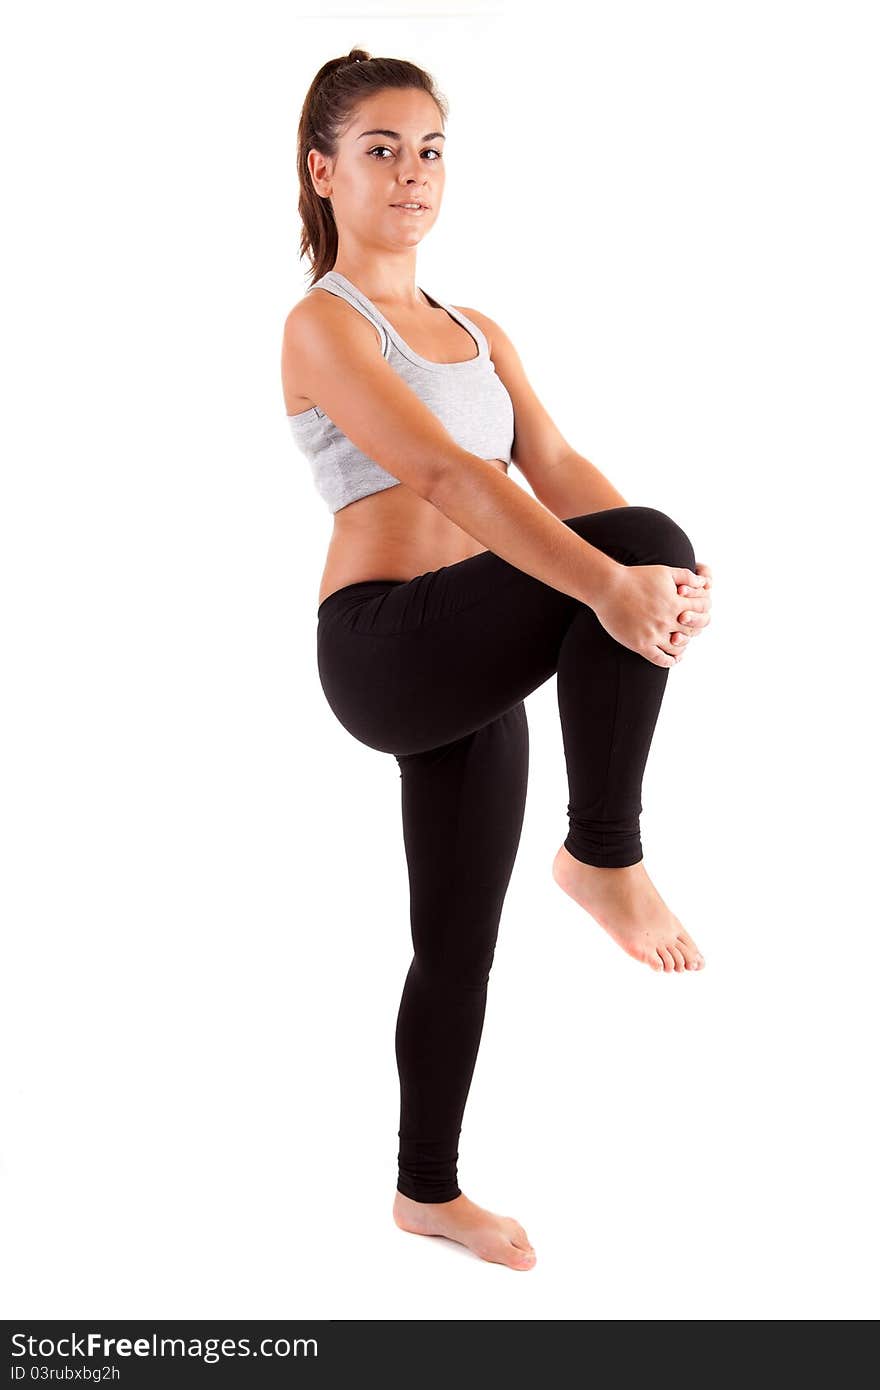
column 436, row 479
column 442, row 473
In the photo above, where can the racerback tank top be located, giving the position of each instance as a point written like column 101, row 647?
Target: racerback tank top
column 468, row 397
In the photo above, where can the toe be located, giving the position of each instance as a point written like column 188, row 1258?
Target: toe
column 677, row 956
column 688, row 947
column 668, row 962
column 519, row 1240
column 689, row 952
column 692, row 958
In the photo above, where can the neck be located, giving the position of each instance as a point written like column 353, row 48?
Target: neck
column 390, row 281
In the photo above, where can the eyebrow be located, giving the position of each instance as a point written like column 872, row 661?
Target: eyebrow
column 396, row 135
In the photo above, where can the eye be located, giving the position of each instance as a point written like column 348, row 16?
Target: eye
column 429, row 150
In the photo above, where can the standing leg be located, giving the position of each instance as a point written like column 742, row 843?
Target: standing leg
column 463, row 806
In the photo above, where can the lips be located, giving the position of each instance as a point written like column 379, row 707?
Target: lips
column 426, row 206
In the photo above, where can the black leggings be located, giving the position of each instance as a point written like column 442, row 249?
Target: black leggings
column 435, row 670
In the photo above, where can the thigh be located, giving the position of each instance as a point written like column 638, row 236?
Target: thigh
column 429, row 660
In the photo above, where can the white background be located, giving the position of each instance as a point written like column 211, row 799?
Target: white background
column 204, row 907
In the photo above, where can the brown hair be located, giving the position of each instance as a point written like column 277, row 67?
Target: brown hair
column 337, row 89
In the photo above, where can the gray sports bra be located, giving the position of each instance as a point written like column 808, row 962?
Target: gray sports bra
column 467, row 397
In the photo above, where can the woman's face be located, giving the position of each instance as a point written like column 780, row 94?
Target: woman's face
column 391, row 153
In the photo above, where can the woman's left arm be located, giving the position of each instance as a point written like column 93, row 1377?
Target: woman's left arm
column 565, row 482
column 570, row 486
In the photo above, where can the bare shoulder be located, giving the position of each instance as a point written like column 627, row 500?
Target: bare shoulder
column 320, row 313
column 299, row 329
column 481, row 320
column 501, row 349
column 318, row 321
column 315, row 313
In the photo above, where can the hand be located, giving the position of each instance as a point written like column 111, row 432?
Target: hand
column 695, row 616
column 641, row 605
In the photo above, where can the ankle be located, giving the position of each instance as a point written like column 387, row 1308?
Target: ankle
column 564, row 858
column 413, row 1202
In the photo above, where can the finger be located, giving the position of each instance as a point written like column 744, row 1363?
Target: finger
column 658, row 657
column 706, row 572
column 694, row 613
column 686, row 576
column 674, row 652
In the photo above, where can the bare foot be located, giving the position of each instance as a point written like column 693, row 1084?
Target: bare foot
column 499, row 1239
column 626, row 903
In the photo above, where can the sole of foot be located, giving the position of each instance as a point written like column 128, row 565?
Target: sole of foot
column 632, row 912
column 497, row 1239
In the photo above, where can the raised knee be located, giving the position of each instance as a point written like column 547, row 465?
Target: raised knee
column 636, row 536
column 663, row 536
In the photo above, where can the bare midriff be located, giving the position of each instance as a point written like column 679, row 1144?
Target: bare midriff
column 393, row 534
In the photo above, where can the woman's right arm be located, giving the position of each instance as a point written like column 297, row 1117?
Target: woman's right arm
column 340, row 367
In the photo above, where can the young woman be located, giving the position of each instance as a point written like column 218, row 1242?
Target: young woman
column 449, row 594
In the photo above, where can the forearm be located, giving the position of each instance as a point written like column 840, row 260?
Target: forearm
column 574, row 486
column 501, row 515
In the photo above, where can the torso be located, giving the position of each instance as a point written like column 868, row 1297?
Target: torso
column 395, row 534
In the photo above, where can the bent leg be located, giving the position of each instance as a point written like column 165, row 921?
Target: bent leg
column 463, row 807
column 609, row 701
column 407, row 666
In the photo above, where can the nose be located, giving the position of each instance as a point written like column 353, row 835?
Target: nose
column 416, row 174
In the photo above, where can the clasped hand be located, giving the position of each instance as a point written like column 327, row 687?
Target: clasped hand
column 636, row 606
column 696, row 615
